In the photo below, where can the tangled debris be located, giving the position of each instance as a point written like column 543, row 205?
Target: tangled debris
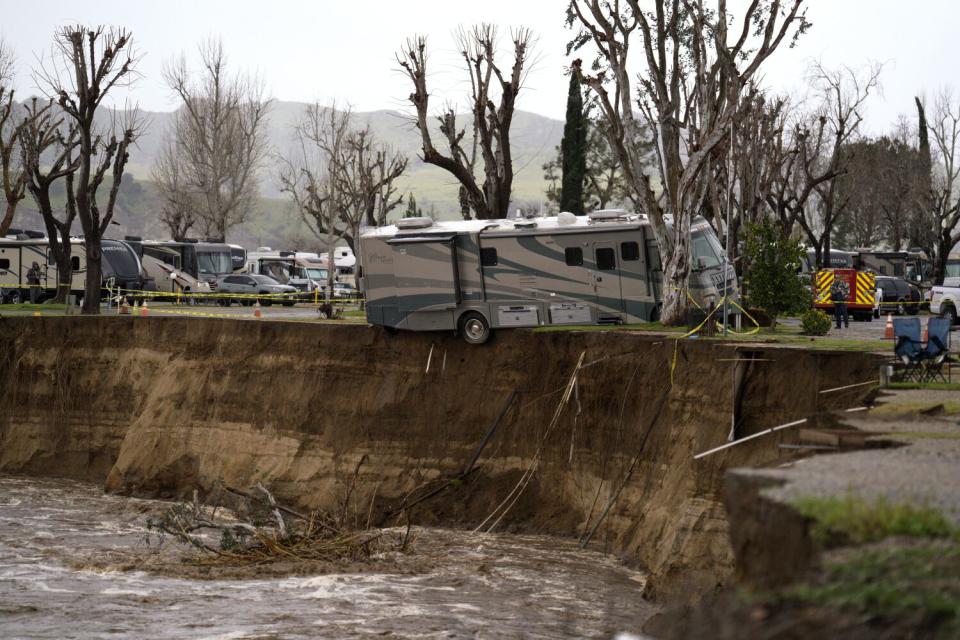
column 233, row 526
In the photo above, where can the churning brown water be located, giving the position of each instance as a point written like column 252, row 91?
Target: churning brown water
column 52, row 532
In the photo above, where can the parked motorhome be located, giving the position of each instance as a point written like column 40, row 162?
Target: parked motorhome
column 121, row 268
column 203, row 261
column 477, row 275
column 346, row 264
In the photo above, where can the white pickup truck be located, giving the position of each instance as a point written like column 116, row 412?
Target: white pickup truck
column 945, row 300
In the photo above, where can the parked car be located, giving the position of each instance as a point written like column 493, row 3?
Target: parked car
column 343, row 291
column 898, row 296
column 254, row 284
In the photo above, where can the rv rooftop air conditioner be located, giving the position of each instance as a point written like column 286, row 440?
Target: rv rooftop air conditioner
column 566, row 218
column 606, row 215
column 421, row 222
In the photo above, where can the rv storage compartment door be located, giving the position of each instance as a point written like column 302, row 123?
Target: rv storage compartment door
column 520, row 315
column 425, row 273
column 570, row 313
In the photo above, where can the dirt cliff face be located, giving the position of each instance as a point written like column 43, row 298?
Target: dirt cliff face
column 330, row 415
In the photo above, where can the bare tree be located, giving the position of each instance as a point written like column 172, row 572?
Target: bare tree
column 821, row 138
column 944, row 126
column 312, row 178
column 220, row 136
column 689, row 82
column 342, row 178
column 12, row 175
column 367, row 178
column 48, row 153
column 87, row 64
column 491, row 121
column 180, row 204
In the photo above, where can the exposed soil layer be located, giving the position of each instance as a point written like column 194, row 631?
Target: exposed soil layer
column 158, row 406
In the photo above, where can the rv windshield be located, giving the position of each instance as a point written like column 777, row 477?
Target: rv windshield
column 953, row 269
column 278, row 270
column 214, row 262
column 316, row 274
column 707, row 251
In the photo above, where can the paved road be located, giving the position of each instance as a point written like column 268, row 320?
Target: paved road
column 864, row 330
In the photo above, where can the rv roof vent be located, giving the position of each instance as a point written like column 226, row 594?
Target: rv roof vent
column 565, row 218
column 285, row 254
column 263, row 249
column 414, row 223
column 525, row 224
column 606, row 215
column 133, row 238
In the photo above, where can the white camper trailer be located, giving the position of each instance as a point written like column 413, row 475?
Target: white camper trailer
column 477, row 275
column 120, row 266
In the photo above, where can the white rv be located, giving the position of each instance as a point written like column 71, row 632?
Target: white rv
column 477, row 275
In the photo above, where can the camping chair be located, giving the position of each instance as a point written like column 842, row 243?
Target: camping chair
column 908, row 347
column 936, row 353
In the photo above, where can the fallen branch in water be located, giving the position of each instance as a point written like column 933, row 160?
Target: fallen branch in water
column 257, row 529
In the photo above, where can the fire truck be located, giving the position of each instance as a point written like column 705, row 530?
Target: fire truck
column 862, row 302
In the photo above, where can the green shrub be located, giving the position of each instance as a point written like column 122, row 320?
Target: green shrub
column 771, row 263
column 814, row 322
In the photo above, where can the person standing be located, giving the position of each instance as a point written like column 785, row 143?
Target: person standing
column 33, row 281
column 839, row 295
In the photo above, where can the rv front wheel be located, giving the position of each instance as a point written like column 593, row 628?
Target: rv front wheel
column 474, row 328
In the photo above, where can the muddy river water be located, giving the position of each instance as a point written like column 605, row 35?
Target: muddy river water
column 54, row 583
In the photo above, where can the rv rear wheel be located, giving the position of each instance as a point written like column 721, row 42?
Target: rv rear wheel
column 474, row 328
column 15, row 297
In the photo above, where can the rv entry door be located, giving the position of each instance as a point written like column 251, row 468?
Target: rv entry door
column 606, row 282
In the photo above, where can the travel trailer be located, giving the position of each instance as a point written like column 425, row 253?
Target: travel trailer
column 477, row 275
column 121, row 268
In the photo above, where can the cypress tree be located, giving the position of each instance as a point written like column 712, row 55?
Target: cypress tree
column 573, row 150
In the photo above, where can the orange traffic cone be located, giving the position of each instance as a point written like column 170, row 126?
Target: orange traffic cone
column 926, row 335
column 256, row 308
column 888, row 332
column 143, row 309
column 124, row 307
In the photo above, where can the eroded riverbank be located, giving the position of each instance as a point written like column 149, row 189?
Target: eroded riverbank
column 57, row 539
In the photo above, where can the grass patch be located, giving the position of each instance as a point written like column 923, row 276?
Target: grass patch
column 852, row 520
column 26, row 306
column 639, row 326
column 928, row 435
column 935, row 386
column 355, row 313
column 915, row 583
column 949, row 408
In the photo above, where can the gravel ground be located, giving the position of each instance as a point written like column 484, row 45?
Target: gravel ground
column 924, row 471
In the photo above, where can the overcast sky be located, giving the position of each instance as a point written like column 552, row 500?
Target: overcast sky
column 323, row 50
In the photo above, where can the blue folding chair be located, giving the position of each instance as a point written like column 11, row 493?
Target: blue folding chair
column 936, row 352
column 908, row 347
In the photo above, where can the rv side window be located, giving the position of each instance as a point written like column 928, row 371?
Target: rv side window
column 4, row 263
column 606, row 260
column 574, row 256
column 629, row 251
column 75, row 263
column 488, row 257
